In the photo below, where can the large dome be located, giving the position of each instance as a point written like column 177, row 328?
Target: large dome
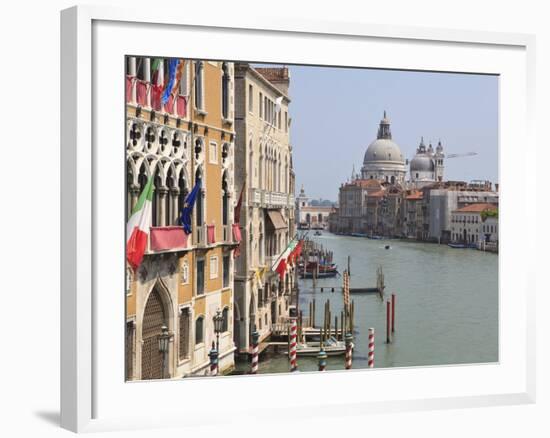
column 383, row 149
column 383, row 159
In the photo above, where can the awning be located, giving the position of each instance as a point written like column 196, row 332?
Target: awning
column 276, row 219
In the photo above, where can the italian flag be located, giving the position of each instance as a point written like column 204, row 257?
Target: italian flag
column 280, row 265
column 138, row 226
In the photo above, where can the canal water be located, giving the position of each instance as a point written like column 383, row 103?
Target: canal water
column 446, row 304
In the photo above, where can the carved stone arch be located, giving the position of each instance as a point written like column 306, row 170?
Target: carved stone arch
column 164, row 140
column 132, row 170
column 165, row 164
column 134, row 134
column 180, row 170
column 150, row 138
column 157, row 168
column 199, row 148
column 157, row 310
column 171, row 175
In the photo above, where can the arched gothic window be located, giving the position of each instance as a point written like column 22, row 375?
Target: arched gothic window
column 199, row 70
column 199, row 204
column 225, row 90
column 158, row 198
column 183, row 192
column 225, row 199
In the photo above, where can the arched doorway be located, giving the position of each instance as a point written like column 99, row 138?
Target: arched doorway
column 154, row 317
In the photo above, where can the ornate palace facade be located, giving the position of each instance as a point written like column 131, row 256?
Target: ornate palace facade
column 183, row 281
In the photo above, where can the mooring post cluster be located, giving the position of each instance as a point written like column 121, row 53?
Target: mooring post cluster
column 338, row 329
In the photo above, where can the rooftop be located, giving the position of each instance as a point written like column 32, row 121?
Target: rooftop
column 477, row 208
column 415, row 195
column 365, row 183
column 274, row 74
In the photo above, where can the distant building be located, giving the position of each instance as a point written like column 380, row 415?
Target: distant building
column 310, row 216
column 467, row 223
column 442, row 199
column 413, row 214
column 489, row 233
column 427, row 166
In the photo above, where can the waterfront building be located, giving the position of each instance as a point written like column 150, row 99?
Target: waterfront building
column 413, row 214
column 443, row 198
column 263, row 166
column 383, row 159
column 427, row 166
column 467, row 223
column 489, row 232
column 353, row 199
column 309, row 216
column 183, row 280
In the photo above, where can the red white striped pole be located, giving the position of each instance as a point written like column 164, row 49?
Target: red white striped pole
column 322, row 356
column 370, row 357
column 349, row 348
column 293, row 345
column 254, row 364
column 392, row 313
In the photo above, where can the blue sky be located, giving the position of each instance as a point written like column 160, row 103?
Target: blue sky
column 335, row 114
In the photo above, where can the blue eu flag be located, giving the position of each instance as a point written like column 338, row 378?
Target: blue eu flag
column 187, row 210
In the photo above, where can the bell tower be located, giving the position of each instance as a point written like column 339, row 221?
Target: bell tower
column 439, row 157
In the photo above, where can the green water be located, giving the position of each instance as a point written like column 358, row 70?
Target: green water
column 446, row 310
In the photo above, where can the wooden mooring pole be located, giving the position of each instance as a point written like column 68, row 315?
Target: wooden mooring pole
column 392, row 313
column 388, row 321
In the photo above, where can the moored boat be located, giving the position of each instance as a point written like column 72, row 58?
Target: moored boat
column 457, row 245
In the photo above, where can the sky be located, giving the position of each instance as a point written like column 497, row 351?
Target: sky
column 335, row 114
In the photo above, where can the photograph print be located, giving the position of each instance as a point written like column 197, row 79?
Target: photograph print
column 301, row 218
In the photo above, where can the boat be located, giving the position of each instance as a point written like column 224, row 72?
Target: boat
column 331, row 346
column 317, row 233
column 457, row 245
column 318, row 267
column 387, row 247
column 329, row 274
column 374, row 237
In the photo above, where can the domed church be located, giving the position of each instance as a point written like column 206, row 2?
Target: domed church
column 383, row 159
column 427, row 166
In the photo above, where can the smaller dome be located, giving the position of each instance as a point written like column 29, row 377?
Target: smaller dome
column 422, row 163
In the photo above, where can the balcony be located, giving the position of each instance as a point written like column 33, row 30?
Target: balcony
column 268, row 199
column 143, row 94
column 199, row 236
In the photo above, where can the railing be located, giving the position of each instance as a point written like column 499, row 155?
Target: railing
column 255, row 196
column 227, row 234
column 200, row 235
column 144, row 94
column 265, row 198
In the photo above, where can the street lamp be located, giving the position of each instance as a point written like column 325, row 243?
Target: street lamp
column 218, row 327
column 164, row 340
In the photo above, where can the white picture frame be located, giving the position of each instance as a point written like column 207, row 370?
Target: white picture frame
column 94, row 397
